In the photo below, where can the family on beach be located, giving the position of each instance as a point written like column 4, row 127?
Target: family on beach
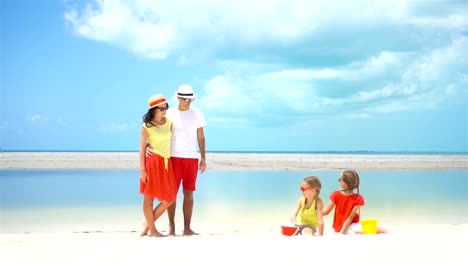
column 169, row 144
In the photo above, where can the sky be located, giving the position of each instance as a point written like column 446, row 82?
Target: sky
column 273, row 75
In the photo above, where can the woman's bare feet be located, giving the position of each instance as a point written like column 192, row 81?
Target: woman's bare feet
column 145, row 228
column 155, row 233
column 145, row 231
column 152, row 233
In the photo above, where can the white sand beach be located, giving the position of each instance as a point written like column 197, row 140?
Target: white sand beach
column 237, row 161
column 239, row 244
column 420, row 244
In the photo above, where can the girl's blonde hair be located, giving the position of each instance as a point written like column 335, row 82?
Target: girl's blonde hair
column 351, row 178
column 314, row 182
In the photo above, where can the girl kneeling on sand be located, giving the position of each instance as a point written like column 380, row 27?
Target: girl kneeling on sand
column 347, row 204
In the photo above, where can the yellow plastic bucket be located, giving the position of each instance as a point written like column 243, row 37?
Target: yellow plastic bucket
column 369, row 226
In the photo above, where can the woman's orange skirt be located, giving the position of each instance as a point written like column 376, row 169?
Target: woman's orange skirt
column 161, row 183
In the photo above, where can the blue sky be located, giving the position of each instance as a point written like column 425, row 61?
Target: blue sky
column 269, row 75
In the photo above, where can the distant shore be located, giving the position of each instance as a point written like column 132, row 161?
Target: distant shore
column 238, row 161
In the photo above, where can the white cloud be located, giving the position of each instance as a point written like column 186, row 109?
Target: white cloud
column 303, row 75
column 34, row 117
column 156, row 29
column 50, row 120
column 62, row 122
column 227, row 94
column 388, row 82
column 139, row 28
column 302, row 57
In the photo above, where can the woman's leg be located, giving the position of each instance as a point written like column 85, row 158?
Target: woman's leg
column 148, row 212
column 158, row 211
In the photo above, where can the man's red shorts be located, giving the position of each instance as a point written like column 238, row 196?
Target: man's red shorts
column 185, row 171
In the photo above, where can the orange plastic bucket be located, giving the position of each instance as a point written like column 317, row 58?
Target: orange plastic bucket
column 369, row 226
column 288, row 230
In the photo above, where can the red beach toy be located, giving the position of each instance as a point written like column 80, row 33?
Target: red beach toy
column 288, row 230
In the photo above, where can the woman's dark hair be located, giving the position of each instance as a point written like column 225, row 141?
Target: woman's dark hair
column 149, row 116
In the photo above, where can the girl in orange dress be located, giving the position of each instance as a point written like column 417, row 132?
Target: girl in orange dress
column 157, row 179
column 347, row 203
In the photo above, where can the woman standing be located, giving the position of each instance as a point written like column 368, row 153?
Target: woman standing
column 157, row 179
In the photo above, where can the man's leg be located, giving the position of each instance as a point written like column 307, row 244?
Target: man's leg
column 188, row 209
column 177, row 167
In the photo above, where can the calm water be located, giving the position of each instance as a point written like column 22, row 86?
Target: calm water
column 106, row 200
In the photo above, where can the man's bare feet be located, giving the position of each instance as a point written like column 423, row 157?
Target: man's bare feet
column 189, row 232
column 171, row 231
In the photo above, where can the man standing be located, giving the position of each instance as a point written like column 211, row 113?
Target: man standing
column 187, row 135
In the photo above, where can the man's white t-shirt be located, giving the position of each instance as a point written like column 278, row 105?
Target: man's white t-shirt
column 184, row 142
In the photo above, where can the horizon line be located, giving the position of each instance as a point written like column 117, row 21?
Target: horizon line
column 275, row 151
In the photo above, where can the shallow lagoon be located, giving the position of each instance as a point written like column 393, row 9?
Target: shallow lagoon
column 108, row 200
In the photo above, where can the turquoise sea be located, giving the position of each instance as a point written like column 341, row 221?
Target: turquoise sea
column 108, row 200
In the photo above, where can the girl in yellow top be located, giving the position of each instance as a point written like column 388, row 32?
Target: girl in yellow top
column 307, row 213
column 157, row 179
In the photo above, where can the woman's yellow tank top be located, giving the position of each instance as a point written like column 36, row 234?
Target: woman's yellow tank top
column 159, row 137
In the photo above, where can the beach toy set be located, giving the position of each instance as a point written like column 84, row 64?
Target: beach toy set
column 369, row 227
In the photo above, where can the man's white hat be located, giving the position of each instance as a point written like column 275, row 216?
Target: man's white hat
column 186, row 91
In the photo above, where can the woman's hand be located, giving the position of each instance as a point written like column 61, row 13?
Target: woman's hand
column 143, row 177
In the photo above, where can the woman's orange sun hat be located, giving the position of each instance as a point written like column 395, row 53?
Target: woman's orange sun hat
column 156, row 100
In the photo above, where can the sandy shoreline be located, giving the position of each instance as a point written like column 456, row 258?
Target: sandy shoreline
column 423, row 244
column 241, row 241
column 237, row 161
